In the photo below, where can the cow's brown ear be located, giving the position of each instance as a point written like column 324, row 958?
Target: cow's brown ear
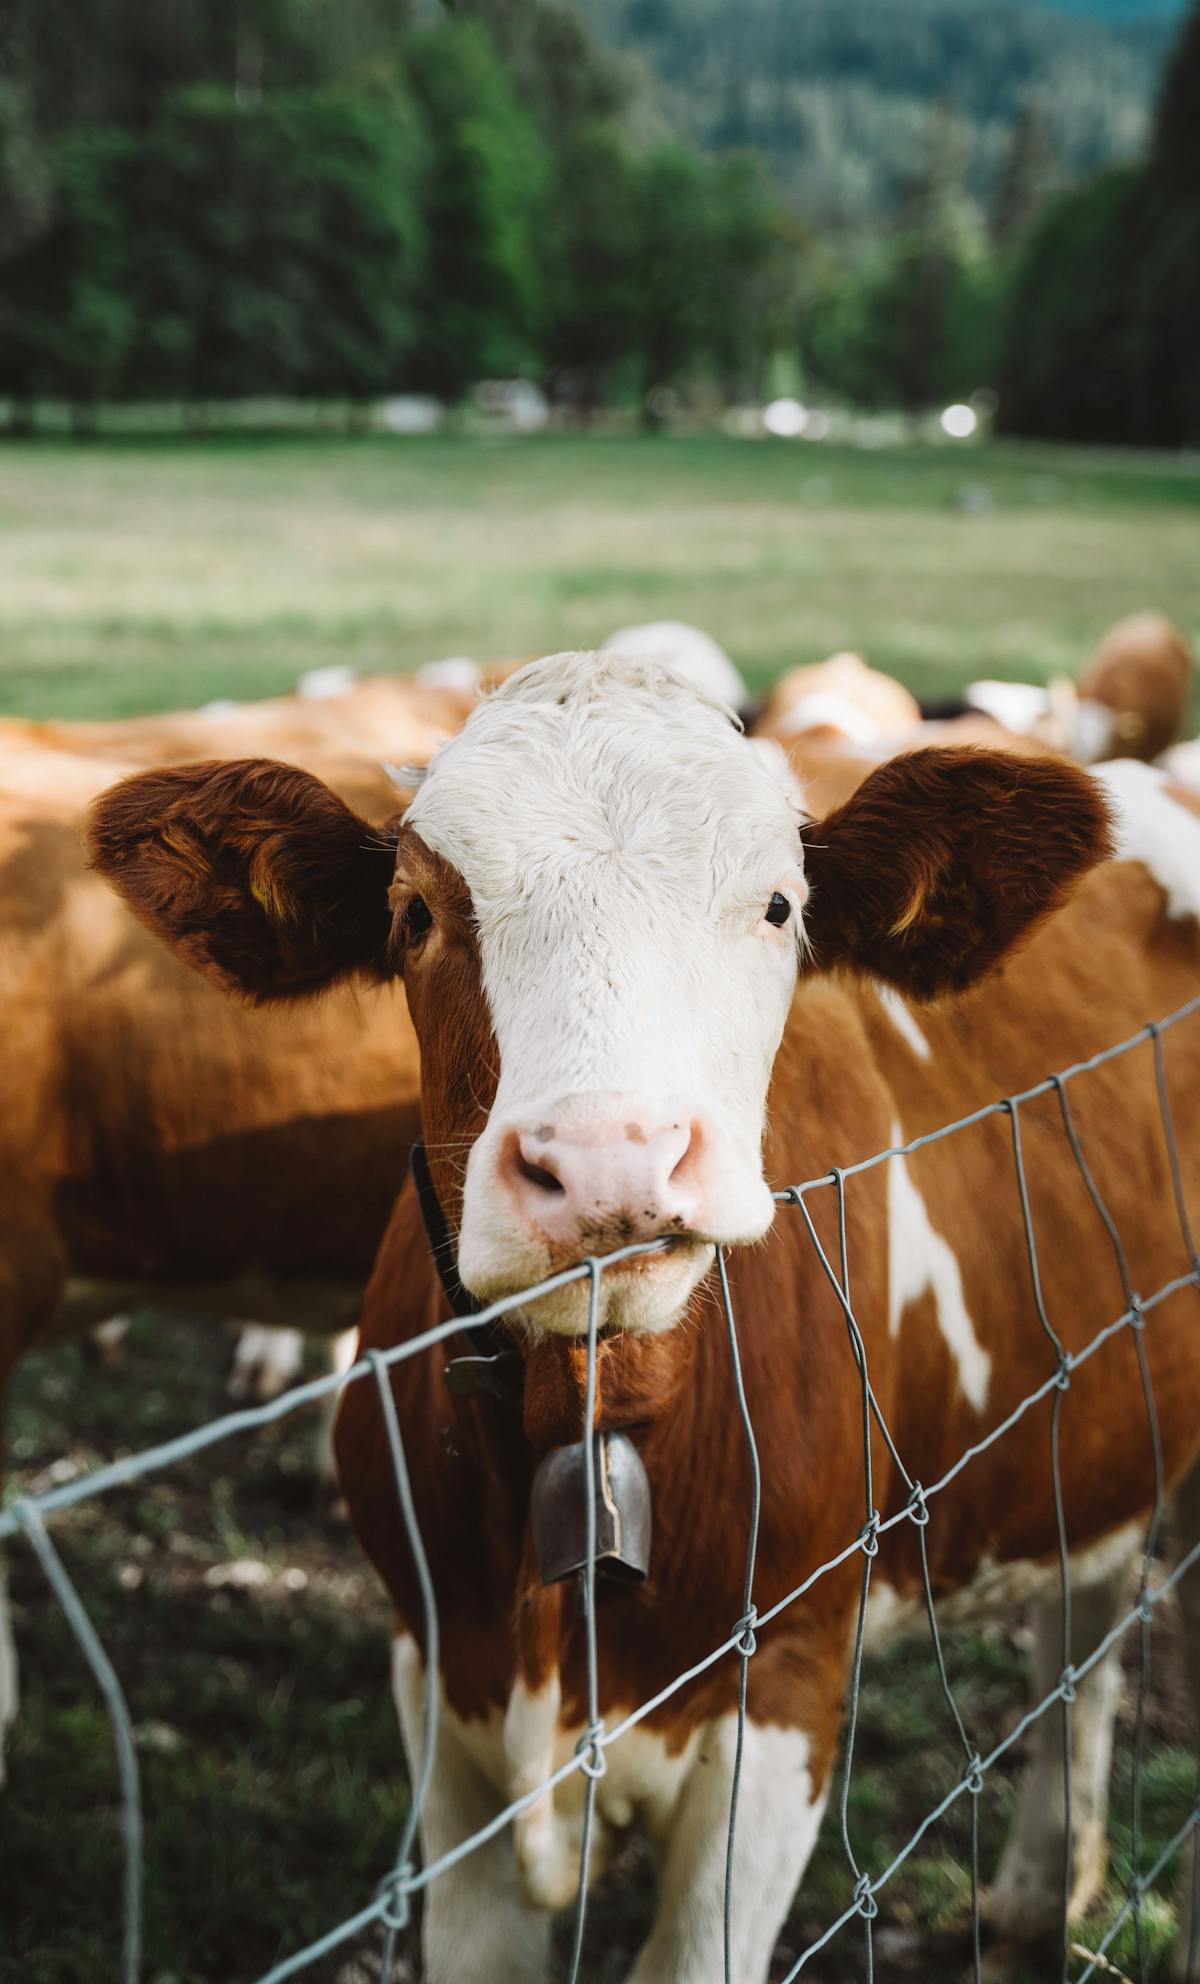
column 943, row 860
column 254, row 873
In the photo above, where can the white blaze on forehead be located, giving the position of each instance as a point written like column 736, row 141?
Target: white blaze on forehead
column 919, row 1259
column 1153, row 828
column 620, row 840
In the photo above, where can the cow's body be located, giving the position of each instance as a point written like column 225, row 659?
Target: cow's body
column 385, row 717
column 154, row 1134
column 947, row 1363
column 156, row 1142
column 933, row 871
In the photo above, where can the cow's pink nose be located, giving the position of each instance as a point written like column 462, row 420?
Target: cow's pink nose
column 606, row 1186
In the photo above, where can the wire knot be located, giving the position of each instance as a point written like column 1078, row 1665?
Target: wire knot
column 1062, row 1377
column 1144, row 1609
column 396, row 1912
column 864, row 1900
column 590, row 1751
column 973, row 1774
column 917, row 1509
column 1066, row 1685
column 868, row 1535
column 746, row 1642
column 1137, row 1314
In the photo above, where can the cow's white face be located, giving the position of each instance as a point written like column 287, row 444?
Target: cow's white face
column 635, row 879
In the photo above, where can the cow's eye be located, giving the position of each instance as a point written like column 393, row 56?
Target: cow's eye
column 778, row 909
column 418, row 917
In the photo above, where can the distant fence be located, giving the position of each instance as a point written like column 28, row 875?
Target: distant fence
column 389, row 1909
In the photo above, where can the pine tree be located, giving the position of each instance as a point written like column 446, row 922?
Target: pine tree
column 1025, row 175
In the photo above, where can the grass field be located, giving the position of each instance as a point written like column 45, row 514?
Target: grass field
column 145, row 575
column 250, row 1636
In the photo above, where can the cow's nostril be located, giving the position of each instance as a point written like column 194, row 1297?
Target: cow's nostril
column 682, row 1172
column 537, row 1175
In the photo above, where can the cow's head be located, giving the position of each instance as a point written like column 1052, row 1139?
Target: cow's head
column 599, row 899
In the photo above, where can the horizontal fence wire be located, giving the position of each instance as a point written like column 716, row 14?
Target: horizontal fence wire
column 390, row 1909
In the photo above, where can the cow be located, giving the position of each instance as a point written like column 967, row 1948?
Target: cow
column 157, row 1144
column 389, row 717
column 331, row 719
column 1129, row 701
column 645, row 996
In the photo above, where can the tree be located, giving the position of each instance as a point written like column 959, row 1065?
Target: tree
column 1024, row 176
column 592, row 296
column 1070, row 367
column 486, row 213
column 1176, row 151
column 672, row 276
column 67, row 324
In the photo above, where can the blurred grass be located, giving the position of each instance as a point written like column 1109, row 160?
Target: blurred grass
column 149, row 574
column 271, row 1762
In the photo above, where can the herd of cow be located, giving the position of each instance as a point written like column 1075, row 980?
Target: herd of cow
column 628, row 962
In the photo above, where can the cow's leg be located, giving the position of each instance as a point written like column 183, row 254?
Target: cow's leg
column 779, row 1814
column 479, row 1929
column 1185, row 1533
column 1024, row 1903
column 267, row 1358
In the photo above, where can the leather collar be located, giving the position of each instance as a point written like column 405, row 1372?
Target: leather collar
column 488, row 1363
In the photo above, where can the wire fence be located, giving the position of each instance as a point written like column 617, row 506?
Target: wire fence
column 389, row 1909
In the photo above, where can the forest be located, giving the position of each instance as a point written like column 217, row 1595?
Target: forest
column 634, row 203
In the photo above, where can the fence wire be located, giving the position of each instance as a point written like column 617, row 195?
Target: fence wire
column 389, row 1910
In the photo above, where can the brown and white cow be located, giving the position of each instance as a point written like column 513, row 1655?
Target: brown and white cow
column 156, row 1142
column 643, row 1000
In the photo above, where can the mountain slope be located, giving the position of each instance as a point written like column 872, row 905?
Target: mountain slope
column 838, row 93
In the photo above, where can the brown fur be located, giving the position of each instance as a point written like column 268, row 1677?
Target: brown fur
column 254, row 873
column 901, row 891
column 153, row 1135
column 1143, row 670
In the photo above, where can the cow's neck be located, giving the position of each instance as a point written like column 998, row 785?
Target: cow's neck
column 638, row 1380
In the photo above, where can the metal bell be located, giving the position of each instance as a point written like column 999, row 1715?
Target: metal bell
column 558, row 1510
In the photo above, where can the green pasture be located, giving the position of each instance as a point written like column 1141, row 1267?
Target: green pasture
column 149, row 574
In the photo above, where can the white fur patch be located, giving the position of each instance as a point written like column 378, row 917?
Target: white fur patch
column 317, row 685
column 266, row 1360
column 997, row 1590
column 1154, row 829
column 1182, row 763
column 457, row 671
column 779, row 1816
column 920, row 1259
column 903, row 1021
column 689, row 652
column 1019, row 706
column 822, row 707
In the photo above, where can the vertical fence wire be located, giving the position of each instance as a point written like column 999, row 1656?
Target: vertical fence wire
column 747, row 1643
column 869, row 1906
column 394, row 1893
column 92, row 1648
column 591, row 1749
column 1063, row 1381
